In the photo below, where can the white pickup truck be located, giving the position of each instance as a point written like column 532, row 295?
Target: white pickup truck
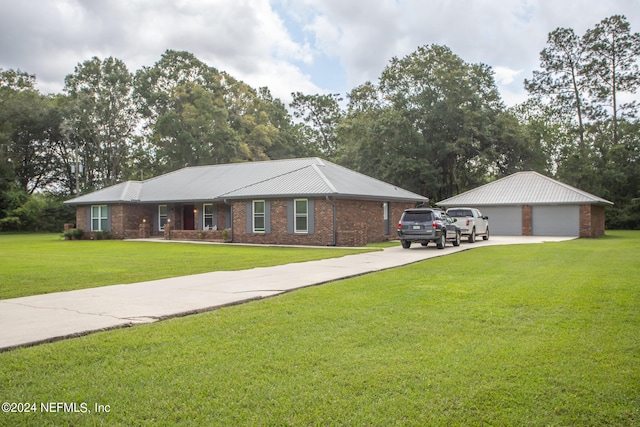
column 471, row 222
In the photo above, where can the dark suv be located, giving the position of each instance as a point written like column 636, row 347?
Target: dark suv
column 425, row 225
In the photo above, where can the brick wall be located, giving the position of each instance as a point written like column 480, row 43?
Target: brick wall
column 361, row 222
column 526, row 220
column 591, row 221
column 323, row 224
column 81, row 218
column 358, row 222
column 208, row 235
column 127, row 218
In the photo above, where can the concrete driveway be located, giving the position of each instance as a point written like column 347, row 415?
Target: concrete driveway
column 45, row 318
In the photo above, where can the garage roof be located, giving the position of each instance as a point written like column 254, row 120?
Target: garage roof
column 306, row 177
column 524, row 188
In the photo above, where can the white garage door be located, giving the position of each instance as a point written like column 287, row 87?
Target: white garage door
column 555, row 221
column 504, row 220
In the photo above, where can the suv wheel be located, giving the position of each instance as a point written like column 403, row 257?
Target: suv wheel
column 441, row 241
column 457, row 241
column 486, row 235
column 406, row 244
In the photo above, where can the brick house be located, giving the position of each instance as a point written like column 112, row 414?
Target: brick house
column 531, row 204
column 306, row 201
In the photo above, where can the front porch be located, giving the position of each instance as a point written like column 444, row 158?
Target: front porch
column 205, row 235
column 179, row 221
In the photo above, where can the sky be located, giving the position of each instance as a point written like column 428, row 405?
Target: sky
column 310, row 46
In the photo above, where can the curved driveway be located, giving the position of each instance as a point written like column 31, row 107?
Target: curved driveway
column 50, row 317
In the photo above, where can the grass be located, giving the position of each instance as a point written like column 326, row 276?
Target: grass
column 508, row 335
column 32, row 264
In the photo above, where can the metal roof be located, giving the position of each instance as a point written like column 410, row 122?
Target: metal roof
column 278, row 178
column 524, row 188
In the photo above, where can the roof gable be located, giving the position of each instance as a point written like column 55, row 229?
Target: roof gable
column 278, row 178
column 523, row 188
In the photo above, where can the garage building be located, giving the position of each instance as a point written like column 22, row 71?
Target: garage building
column 531, row 204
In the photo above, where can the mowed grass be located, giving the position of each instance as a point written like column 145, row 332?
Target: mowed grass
column 531, row 335
column 32, row 264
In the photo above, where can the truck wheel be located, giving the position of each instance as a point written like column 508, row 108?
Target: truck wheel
column 406, row 244
column 441, row 241
column 486, row 236
column 457, row 241
column 472, row 236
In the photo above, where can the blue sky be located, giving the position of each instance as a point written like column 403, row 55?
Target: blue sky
column 311, row 46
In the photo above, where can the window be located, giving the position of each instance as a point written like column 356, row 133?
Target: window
column 162, row 216
column 301, row 213
column 207, row 212
column 417, row 217
column 258, row 216
column 99, row 218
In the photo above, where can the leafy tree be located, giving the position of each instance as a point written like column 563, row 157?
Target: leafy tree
column 561, row 78
column 612, row 66
column 380, row 140
column 195, row 131
column 102, row 118
column 17, row 80
column 515, row 147
column 452, row 105
column 321, row 115
column 586, row 77
column 29, row 124
column 288, row 142
column 154, row 85
column 196, row 114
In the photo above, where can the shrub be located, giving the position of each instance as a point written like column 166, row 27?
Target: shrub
column 74, row 234
column 101, row 235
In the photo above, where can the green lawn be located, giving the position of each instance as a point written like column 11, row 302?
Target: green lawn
column 33, row 264
column 531, row 335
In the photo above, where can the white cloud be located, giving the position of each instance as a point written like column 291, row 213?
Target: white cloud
column 506, row 76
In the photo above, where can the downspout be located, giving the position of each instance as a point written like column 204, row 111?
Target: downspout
column 335, row 232
column 231, row 214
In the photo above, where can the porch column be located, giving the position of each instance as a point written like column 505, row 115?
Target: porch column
column 526, row 220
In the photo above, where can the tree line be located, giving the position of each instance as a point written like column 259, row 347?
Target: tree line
column 432, row 123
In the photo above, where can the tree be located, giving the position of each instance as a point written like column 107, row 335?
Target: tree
column 561, row 78
column 154, row 85
column 612, row 66
column 321, row 115
column 288, row 142
column 196, row 114
column 586, row 77
column 195, row 131
column 452, row 105
column 29, row 131
column 102, row 118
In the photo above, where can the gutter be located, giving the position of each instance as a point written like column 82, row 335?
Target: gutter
column 335, row 232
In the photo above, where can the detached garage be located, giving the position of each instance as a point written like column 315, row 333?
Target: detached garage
column 531, row 204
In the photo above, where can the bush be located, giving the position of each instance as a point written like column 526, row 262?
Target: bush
column 10, row 223
column 101, row 235
column 35, row 212
column 74, row 234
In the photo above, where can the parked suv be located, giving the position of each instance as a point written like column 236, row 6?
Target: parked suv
column 424, row 225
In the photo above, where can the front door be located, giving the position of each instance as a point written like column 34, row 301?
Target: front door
column 188, row 217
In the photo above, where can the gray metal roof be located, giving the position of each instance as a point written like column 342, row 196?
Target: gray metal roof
column 524, row 188
column 278, row 178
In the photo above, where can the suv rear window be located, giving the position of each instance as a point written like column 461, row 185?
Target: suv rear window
column 459, row 213
column 417, row 217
